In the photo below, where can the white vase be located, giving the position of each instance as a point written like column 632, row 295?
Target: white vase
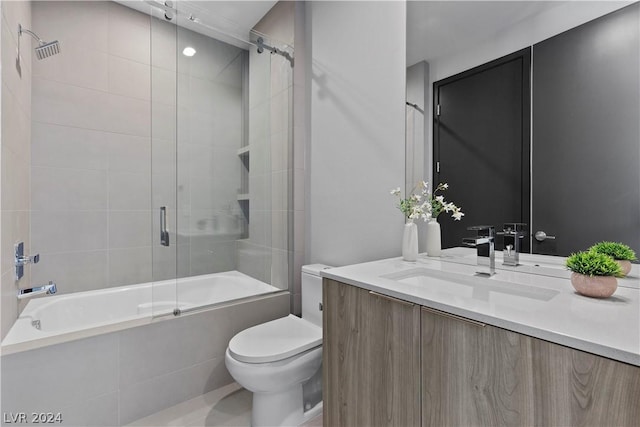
column 434, row 245
column 410, row 242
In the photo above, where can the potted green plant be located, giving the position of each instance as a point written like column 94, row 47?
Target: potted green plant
column 594, row 274
column 622, row 253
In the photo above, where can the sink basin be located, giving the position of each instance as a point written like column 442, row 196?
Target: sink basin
column 504, row 288
column 543, row 265
column 533, row 264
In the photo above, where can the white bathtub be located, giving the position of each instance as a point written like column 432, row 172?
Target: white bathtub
column 58, row 318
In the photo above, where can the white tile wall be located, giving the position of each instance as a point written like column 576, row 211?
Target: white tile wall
column 105, row 125
column 129, row 78
column 130, row 265
column 69, row 105
column 72, row 270
column 89, row 18
column 163, row 85
column 164, row 45
column 57, row 189
column 62, row 374
column 163, row 123
column 129, row 229
column 129, row 153
column 56, row 232
column 15, row 155
column 128, row 34
column 268, row 253
column 129, row 191
column 80, row 66
column 18, row 84
column 128, row 115
column 68, row 147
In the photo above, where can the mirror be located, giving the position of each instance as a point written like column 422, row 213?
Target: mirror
column 447, row 38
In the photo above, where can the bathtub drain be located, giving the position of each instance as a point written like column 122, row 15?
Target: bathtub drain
column 35, row 324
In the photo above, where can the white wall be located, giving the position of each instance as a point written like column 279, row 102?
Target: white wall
column 15, row 153
column 104, row 136
column 418, row 151
column 357, row 130
column 522, row 34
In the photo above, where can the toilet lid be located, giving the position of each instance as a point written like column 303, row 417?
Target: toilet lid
column 275, row 340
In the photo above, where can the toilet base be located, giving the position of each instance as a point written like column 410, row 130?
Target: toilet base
column 312, row 413
column 283, row 408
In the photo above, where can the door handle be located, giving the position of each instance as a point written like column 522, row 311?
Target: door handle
column 164, row 234
column 388, row 298
column 541, row 236
column 453, row 316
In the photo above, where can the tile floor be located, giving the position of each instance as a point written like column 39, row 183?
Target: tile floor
column 228, row 406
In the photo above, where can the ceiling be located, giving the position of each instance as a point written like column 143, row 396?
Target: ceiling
column 434, row 28
column 226, row 20
column 439, row 28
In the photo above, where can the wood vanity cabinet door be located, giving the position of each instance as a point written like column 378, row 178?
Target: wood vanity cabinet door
column 371, row 358
column 481, row 375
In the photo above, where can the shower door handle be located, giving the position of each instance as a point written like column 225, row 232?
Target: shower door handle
column 164, row 234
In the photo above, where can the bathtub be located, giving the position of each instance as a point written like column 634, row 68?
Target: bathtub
column 58, row 318
column 113, row 356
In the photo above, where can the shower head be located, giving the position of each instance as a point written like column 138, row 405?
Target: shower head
column 47, row 49
column 44, row 49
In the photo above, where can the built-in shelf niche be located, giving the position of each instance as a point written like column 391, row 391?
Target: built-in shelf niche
column 243, row 192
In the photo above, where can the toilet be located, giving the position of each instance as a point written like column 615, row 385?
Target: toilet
column 274, row 360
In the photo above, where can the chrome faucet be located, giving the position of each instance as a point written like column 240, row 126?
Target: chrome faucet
column 484, row 243
column 49, row 289
column 512, row 234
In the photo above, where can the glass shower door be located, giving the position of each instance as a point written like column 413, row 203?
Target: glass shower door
column 221, row 165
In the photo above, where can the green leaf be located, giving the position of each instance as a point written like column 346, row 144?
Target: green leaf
column 615, row 250
column 591, row 263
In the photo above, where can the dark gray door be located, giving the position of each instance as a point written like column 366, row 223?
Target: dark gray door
column 586, row 137
column 481, row 145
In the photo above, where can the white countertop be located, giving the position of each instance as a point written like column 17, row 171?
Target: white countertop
column 542, row 305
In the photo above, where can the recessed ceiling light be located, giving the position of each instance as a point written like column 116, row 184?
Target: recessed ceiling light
column 189, row 51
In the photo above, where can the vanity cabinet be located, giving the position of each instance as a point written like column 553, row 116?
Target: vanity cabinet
column 391, row 362
column 477, row 374
column 371, row 358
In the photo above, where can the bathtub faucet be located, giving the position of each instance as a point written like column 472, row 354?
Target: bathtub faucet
column 49, row 289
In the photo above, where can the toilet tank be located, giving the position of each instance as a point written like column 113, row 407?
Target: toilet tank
column 312, row 293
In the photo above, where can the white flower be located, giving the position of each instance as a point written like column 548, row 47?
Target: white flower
column 448, row 207
column 422, row 203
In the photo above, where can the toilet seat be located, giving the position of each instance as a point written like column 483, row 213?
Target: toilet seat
column 275, row 340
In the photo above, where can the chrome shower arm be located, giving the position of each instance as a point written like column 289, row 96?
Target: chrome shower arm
column 31, row 33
